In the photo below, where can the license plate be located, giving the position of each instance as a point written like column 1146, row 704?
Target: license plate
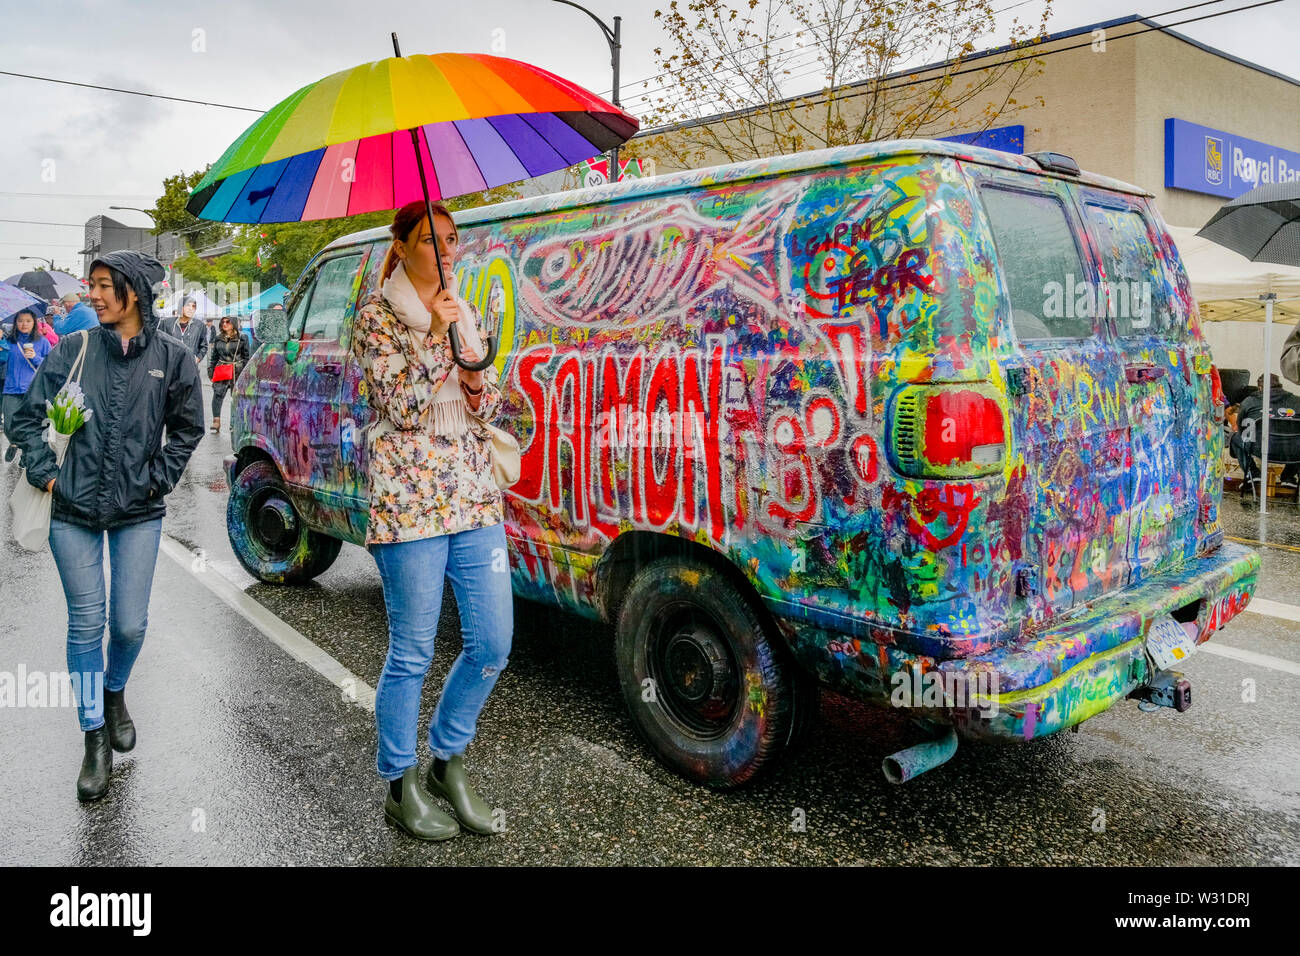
column 1168, row 643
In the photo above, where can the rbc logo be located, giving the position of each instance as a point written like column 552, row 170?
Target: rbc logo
column 1213, row 160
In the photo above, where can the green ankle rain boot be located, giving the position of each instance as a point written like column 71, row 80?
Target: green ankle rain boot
column 417, row 814
column 471, row 811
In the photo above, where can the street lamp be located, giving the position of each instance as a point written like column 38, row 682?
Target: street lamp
column 156, row 238
column 40, row 259
column 612, row 38
column 138, row 209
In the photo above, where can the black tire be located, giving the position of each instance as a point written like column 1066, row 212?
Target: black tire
column 268, row 536
column 708, row 687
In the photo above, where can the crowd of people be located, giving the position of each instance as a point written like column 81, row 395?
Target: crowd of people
column 29, row 336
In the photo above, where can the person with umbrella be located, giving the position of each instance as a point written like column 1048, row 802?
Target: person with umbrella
column 435, row 512
column 408, row 131
column 1264, row 226
column 5, row 329
column 47, row 284
column 27, row 350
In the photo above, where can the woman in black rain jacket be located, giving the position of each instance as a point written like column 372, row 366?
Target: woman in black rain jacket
column 137, row 382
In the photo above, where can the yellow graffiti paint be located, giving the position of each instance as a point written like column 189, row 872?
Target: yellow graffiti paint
column 476, row 287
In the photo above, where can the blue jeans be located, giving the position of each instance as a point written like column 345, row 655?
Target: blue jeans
column 413, row 572
column 79, row 555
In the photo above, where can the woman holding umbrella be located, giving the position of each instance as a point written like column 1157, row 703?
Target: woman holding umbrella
column 414, row 128
column 435, row 510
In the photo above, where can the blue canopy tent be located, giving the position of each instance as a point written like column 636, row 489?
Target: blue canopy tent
column 265, row 300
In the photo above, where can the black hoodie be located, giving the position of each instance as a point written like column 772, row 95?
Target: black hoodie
column 117, row 468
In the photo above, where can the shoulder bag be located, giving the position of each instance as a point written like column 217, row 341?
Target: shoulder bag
column 31, row 506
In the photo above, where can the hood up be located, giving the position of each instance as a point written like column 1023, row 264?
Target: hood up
column 144, row 273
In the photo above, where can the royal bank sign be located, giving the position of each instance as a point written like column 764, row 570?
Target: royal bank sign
column 1212, row 161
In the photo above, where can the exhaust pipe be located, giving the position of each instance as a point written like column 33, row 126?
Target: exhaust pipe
column 906, row 764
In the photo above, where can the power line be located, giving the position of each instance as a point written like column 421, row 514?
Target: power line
column 78, row 195
column 117, row 89
column 39, row 222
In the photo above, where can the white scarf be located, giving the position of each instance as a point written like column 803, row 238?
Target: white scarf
column 448, row 412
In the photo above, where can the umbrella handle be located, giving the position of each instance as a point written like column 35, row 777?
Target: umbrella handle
column 454, row 341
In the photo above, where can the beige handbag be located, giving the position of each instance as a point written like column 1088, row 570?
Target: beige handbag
column 505, row 456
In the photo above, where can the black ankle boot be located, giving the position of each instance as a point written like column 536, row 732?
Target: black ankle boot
column 121, row 729
column 96, row 766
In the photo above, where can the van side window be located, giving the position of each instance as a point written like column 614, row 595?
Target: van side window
column 1041, row 263
column 328, row 299
column 1133, row 278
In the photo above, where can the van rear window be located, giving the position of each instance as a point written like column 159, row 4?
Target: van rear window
column 1138, row 304
column 1040, row 262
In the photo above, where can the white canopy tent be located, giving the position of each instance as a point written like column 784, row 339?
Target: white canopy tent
column 1228, row 286
column 1231, row 288
column 206, row 308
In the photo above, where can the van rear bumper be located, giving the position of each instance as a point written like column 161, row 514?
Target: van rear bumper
column 1063, row 675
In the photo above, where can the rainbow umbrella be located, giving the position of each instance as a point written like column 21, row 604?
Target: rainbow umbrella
column 428, row 126
column 341, row 146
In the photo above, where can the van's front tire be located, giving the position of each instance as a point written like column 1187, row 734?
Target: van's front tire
column 707, row 687
column 268, row 536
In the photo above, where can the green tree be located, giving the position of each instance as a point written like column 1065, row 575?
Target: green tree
column 170, row 214
column 285, row 248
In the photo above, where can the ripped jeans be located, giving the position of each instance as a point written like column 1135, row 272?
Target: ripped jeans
column 413, row 574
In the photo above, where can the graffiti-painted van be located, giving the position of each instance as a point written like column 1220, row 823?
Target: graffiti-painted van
column 929, row 425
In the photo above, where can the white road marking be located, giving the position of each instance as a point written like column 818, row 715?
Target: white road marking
column 287, row 638
column 1250, row 657
column 1259, row 605
column 301, row 649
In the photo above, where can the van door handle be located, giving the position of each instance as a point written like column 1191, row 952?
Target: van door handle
column 1142, row 372
column 330, row 368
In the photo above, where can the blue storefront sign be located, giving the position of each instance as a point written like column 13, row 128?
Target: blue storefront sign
column 1206, row 160
column 1010, row 139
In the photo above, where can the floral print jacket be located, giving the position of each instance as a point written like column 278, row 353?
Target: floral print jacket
column 421, row 484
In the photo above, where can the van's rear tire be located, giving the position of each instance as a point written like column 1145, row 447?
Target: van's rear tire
column 268, row 536
column 707, row 686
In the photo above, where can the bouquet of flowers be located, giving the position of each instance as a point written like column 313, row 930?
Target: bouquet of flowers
column 65, row 415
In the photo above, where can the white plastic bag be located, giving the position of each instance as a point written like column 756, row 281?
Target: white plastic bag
column 31, row 507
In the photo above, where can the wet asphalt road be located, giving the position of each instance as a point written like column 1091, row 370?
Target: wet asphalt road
column 247, row 756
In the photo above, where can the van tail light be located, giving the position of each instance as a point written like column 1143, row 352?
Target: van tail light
column 1216, row 388
column 948, row 431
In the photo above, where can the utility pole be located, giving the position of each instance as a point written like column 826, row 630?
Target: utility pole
column 614, row 38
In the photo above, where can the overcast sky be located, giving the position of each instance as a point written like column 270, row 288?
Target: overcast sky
column 82, row 150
